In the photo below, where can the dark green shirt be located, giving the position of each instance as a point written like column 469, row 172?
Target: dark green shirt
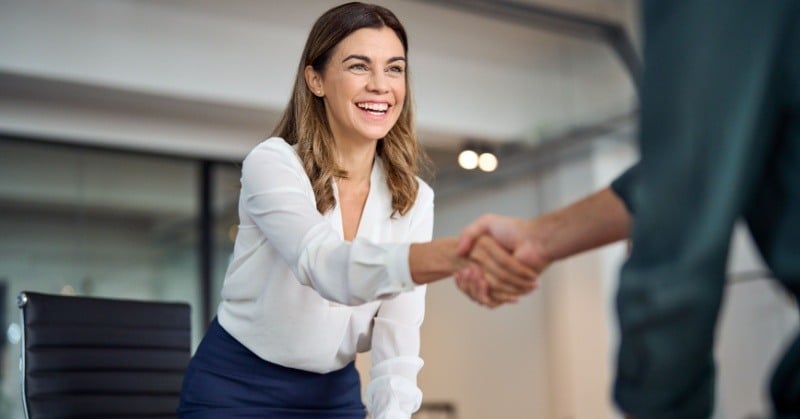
column 719, row 141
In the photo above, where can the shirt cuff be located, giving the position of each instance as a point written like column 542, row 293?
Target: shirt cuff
column 391, row 394
column 399, row 267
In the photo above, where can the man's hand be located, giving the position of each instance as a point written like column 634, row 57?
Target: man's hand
column 514, row 235
column 591, row 222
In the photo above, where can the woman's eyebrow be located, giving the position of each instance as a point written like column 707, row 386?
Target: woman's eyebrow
column 369, row 61
column 357, row 57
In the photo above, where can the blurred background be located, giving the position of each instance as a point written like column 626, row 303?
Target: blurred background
column 123, row 124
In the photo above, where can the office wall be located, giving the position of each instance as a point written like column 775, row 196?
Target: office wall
column 548, row 355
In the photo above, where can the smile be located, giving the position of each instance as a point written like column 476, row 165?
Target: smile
column 374, row 108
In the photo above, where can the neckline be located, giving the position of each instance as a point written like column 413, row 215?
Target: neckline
column 365, row 220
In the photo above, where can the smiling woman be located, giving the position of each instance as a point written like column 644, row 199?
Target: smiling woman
column 334, row 244
column 354, row 65
column 364, row 87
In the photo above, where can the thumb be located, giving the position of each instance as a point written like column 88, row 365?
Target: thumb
column 464, row 245
column 471, row 233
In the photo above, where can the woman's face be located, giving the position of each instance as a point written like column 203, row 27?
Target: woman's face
column 363, row 85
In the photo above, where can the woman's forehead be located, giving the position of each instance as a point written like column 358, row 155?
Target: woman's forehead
column 372, row 43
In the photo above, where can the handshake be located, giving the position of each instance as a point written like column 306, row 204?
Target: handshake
column 503, row 260
column 497, row 259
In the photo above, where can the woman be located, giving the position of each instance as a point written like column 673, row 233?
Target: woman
column 322, row 266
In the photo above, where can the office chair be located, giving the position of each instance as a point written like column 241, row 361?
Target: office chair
column 100, row 357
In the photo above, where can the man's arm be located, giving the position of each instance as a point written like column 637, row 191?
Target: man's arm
column 598, row 219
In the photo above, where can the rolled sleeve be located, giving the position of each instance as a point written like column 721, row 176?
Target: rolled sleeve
column 624, row 186
column 368, row 271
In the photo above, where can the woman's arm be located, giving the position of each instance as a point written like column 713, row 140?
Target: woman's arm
column 278, row 198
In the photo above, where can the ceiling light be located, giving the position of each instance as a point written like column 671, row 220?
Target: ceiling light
column 468, row 159
column 487, row 162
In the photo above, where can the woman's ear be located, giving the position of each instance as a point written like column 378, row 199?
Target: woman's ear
column 313, row 81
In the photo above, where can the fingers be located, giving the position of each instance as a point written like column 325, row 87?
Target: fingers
column 504, row 298
column 471, row 281
column 503, row 272
column 473, row 285
column 497, row 276
column 492, row 297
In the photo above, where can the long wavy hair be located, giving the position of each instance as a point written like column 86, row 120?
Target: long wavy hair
column 304, row 122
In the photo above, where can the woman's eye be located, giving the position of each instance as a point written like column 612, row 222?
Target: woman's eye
column 396, row 69
column 359, row 67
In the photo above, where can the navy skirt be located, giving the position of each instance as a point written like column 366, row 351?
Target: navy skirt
column 226, row 380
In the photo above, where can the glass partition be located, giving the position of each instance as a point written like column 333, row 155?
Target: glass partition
column 93, row 222
column 225, row 186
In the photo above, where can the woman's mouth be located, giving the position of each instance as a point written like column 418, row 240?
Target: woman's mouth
column 374, row 108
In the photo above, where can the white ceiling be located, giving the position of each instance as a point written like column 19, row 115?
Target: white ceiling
column 204, row 78
column 225, row 69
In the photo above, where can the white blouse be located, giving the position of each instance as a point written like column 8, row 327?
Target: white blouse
column 298, row 295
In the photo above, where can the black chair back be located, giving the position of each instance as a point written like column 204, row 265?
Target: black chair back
column 101, row 357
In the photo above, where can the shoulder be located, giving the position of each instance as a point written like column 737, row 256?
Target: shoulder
column 272, row 149
column 271, row 146
column 273, row 155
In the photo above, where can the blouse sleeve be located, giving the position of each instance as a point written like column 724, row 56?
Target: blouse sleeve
column 393, row 392
column 277, row 196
